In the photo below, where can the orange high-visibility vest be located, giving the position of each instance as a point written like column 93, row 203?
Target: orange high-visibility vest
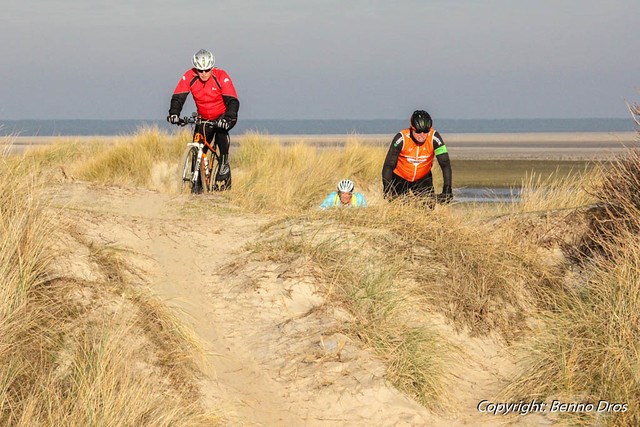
column 415, row 161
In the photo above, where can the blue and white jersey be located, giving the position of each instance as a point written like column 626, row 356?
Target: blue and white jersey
column 333, row 200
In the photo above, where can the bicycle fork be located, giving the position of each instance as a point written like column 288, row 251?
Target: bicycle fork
column 195, row 172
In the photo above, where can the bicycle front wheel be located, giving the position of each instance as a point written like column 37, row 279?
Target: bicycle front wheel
column 187, row 171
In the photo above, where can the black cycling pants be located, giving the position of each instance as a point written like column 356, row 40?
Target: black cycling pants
column 399, row 186
column 213, row 133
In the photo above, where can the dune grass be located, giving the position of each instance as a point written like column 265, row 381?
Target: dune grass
column 67, row 359
column 274, row 178
column 148, row 159
column 586, row 349
column 130, row 162
column 24, row 259
column 269, row 176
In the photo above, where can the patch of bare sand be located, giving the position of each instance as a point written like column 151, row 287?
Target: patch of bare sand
column 275, row 354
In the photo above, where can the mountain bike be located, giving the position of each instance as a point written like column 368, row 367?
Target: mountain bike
column 198, row 170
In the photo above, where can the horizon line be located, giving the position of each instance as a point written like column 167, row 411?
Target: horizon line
column 333, row 120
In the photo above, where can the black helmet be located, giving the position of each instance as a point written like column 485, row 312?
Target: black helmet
column 421, row 121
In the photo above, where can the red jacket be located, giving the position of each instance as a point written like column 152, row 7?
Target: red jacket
column 208, row 95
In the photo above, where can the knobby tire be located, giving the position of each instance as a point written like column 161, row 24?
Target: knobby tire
column 188, row 168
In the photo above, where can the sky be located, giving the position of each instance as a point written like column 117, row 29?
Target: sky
column 325, row 59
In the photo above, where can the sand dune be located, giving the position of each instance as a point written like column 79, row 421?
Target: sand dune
column 275, row 356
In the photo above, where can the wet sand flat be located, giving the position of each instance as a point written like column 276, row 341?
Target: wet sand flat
column 525, row 146
column 476, row 146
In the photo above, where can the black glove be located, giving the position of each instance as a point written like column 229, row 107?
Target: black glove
column 223, row 123
column 446, row 196
column 173, row 119
column 388, row 191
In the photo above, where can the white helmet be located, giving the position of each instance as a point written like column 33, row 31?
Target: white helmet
column 203, row 60
column 345, row 186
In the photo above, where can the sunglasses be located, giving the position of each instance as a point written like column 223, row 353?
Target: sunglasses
column 204, row 71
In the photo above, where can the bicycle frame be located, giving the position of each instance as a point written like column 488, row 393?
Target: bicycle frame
column 199, row 168
column 198, row 172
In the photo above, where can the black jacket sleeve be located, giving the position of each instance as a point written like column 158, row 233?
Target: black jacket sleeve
column 177, row 102
column 391, row 161
column 445, row 164
column 233, row 105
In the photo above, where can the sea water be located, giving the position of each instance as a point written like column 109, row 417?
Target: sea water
column 319, row 127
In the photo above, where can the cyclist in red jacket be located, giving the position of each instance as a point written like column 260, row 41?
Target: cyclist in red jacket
column 216, row 100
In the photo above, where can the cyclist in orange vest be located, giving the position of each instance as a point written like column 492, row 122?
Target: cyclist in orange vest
column 407, row 167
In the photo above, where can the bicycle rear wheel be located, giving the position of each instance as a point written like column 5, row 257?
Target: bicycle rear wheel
column 187, row 170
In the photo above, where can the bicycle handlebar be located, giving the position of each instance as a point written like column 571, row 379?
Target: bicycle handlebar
column 194, row 120
column 220, row 122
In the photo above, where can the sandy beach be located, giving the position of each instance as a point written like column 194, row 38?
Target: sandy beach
column 464, row 146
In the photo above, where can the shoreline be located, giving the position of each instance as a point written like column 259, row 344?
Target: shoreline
column 479, row 146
